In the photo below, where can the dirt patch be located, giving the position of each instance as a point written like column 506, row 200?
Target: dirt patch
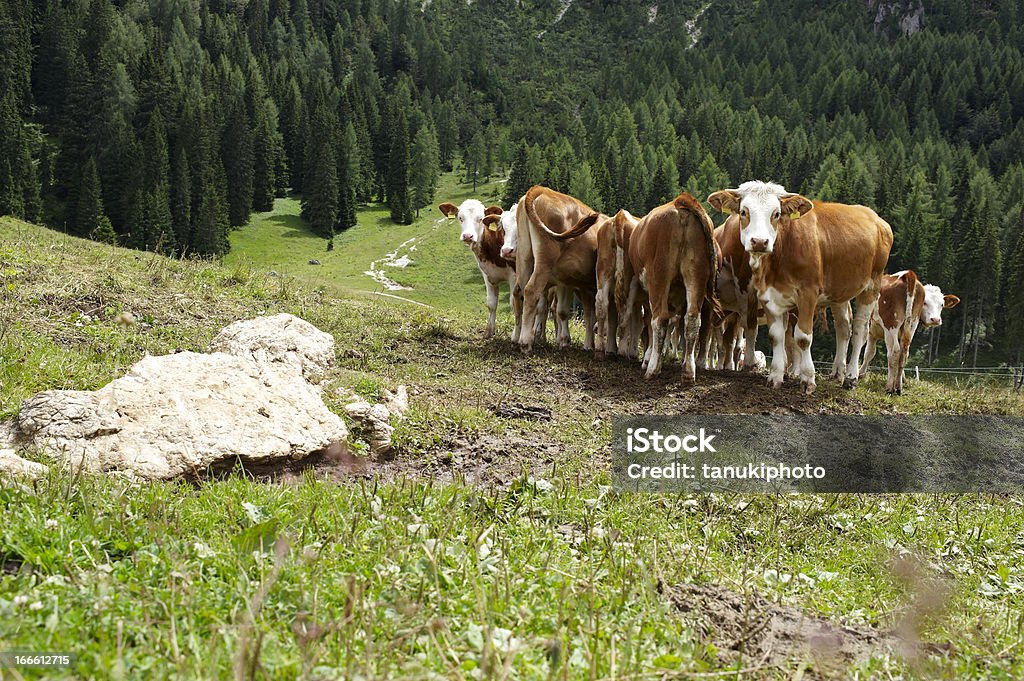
column 757, row 633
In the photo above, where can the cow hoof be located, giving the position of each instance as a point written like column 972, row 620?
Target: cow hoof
column 599, row 355
column 850, row 383
column 488, row 335
column 527, row 349
column 806, row 387
column 774, row 383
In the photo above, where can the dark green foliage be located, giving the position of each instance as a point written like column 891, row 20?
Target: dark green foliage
column 89, row 204
column 425, row 167
column 519, row 177
column 398, row 170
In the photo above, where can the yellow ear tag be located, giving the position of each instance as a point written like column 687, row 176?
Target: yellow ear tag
column 795, row 215
column 493, row 227
column 726, row 210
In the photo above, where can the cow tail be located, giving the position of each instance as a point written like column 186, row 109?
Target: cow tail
column 686, row 202
column 579, row 228
column 531, row 211
column 910, row 279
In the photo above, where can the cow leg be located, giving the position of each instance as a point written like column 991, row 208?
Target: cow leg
column 841, row 318
column 866, row 303
column 515, row 300
column 638, row 326
column 601, row 306
column 540, row 325
column 535, row 291
column 704, row 340
column 492, row 307
column 803, row 335
column 905, row 338
column 611, row 323
column 564, row 310
column 750, row 333
column 777, row 331
column 691, row 336
column 587, row 298
column 893, row 353
column 729, row 343
column 660, row 316
column 869, row 351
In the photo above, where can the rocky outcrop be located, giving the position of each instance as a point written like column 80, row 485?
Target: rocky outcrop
column 250, row 400
column 375, row 419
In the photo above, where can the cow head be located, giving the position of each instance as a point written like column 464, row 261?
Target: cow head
column 934, row 303
column 471, row 217
column 508, row 223
column 762, row 207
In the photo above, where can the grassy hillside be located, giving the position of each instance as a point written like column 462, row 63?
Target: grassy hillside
column 490, row 546
column 442, row 273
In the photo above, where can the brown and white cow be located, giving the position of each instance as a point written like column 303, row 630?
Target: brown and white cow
column 736, row 293
column 543, row 262
column 509, row 225
column 903, row 303
column 486, row 247
column 672, row 255
column 611, row 329
column 803, row 255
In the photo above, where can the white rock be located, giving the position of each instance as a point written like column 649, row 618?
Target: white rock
column 179, row 414
column 282, row 338
column 12, row 464
column 397, row 402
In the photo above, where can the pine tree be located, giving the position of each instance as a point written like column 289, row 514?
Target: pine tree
column 913, row 224
column 348, row 174
column 709, row 178
column 320, row 198
column 583, row 186
column 398, row 171
column 475, row 159
column 89, row 206
column 425, row 167
column 237, row 154
column 519, row 178
column 181, row 200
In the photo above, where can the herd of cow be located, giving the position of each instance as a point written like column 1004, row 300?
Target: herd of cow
column 672, row 279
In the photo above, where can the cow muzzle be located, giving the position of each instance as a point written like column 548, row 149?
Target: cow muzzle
column 468, row 238
column 508, row 253
column 933, row 322
column 758, row 246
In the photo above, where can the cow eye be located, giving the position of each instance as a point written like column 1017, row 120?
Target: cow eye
column 776, row 216
column 743, row 212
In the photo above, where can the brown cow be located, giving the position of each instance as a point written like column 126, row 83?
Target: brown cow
column 802, row 258
column 736, row 294
column 903, row 303
column 486, row 247
column 672, row 255
column 612, row 328
column 542, row 262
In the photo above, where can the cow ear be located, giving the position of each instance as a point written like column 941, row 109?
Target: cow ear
column 949, row 300
column 725, row 201
column 450, row 210
column 493, row 210
column 492, row 220
column 795, row 206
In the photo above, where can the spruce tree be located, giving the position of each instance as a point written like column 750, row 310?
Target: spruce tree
column 425, row 167
column 348, row 175
column 519, row 176
column 320, row 182
column 89, row 206
column 237, row 153
column 398, row 171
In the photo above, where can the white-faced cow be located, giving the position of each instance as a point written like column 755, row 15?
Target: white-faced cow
column 543, row 262
column 903, row 303
column 509, row 248
column 803, row 255
column 486, row 246
column 672, row 256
